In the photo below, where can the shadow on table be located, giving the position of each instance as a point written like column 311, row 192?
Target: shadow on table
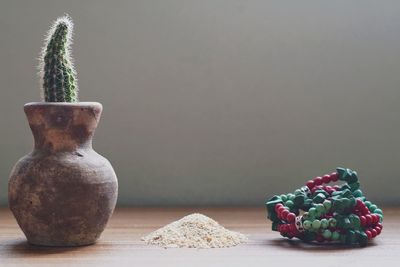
column 23, row 248
column 311, row 247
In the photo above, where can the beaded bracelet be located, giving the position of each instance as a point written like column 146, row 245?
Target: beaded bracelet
column 318, row 212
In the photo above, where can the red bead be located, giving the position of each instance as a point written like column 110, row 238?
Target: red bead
column 365, row 210
column 280, row 210
column 359, row 203
column 374, row 232
column 293, row 228
column 329, row 189
column 363, row 220
column 375, row 218
column 334, row 177
column 310, row 184
column 379, row 225
column 318, row 180
column 277, row 206
column 378, row 230
column 284, row 214
column 326, row 179
column 291, row 217
column 368, row 233
column 369, row 219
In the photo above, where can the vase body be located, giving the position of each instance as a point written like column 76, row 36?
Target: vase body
column 63, row 193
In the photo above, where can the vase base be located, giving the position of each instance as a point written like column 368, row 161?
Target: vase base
column 60, row 244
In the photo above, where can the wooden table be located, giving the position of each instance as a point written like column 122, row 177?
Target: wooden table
column 120, row 244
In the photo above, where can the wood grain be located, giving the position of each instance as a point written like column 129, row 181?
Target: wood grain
column 120, row 243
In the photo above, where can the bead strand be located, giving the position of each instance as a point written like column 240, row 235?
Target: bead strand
column 319, row 212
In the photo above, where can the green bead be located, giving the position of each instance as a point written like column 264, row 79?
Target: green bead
column 335, row 236
column 357, row 193
column 344, row 187
column 319, row 198
column 350, row 237
column 354, row 186
column 327, row 234
column 274, row 200
column 290, row 196
column 289, row 204
column 316, row 224
column 298, row 191
column 308, row 201
column 320, row 209
column 327, row 204
column 338, row 205
column 312, row 212
column 299, row 200
column 275, row 226
column 362, row 239
column 339, row 221
column 332, row 222
column 355, row 221
column 372, row 208
column 346, row 202
column 307, row 224
column 367, row 203
column 346, row 223
column 307, row 204
column 353, row 201
column 378, row 211
column 353, row 178
column 283, row 197
column 294, row 210
column 321, row 191
column 324, row 223
column 341, row 173
column 272, row 216
column 346, row 193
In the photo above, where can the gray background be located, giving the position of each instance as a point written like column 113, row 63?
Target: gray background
column 220, row 102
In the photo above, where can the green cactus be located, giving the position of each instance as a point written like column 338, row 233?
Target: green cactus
column 56, row 68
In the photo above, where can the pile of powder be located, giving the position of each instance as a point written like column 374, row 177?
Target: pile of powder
column 194, row 231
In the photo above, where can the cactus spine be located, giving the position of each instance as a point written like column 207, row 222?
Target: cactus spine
column 58, row 76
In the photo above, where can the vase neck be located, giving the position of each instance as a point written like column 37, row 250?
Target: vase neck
column 63, row 126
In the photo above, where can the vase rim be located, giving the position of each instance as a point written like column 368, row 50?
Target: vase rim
column 64, row 104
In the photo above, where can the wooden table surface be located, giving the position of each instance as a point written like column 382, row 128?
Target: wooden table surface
column 120, row 243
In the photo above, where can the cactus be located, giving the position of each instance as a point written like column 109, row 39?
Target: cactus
column 57, row 72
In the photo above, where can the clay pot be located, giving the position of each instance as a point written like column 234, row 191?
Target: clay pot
column 63, row 192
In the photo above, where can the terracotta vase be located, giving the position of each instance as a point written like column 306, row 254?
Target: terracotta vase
column 63, row 192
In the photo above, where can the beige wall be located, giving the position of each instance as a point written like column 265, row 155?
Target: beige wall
column 220, row 102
